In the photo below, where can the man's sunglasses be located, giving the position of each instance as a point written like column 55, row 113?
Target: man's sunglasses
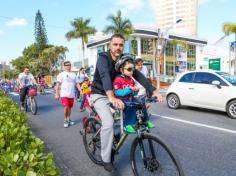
column 67, row 65
column 130, row 69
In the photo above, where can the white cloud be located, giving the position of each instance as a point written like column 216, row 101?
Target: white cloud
column 130, row 4
column 17, row 22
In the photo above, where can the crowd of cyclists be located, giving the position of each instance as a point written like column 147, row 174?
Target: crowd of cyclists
column 117, row 79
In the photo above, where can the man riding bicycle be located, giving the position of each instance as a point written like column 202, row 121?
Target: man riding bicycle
column 102, row 94
column 25, row 80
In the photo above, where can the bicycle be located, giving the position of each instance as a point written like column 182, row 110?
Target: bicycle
column 42, row 89
column 143, row 156
column 30, row 100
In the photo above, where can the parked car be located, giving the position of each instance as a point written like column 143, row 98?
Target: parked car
column 205, row 89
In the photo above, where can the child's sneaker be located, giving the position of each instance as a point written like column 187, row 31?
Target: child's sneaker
column 129, row 129
column 66, row 124
column 71, row 122
column 150, row 124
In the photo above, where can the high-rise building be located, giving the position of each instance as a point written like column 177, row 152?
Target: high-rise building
column 167, row 12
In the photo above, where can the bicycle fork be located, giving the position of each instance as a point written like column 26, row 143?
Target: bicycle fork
column 143, row 153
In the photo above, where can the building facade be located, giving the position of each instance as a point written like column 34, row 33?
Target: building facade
column 167, row 12
column 174, row 58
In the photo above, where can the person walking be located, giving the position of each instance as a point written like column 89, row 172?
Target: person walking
column 65, row 88
column 143, row 69
column 25, row 80
column 102, row 94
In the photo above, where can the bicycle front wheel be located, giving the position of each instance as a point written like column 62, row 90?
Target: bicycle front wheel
column 151, row 156
column 33, row 105
column 92, row 141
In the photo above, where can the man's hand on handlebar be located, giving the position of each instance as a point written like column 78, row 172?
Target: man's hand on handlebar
column 158, row 95
column 117, row 103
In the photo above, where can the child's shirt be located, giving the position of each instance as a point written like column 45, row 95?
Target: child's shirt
column 121, row 87
column 85, row 87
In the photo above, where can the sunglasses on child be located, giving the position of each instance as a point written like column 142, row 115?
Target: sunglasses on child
column 130, row 69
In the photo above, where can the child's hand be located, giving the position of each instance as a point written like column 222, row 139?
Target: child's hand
column 135, row 89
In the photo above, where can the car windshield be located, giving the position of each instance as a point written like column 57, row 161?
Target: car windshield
column 228, row 77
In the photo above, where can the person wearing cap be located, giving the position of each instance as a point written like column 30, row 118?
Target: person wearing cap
column 65, row 88
column 102, row 94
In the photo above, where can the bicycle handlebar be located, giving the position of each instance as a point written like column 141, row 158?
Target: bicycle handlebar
column 140, row 103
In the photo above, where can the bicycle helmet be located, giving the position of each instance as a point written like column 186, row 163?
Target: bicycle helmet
column 122, row 60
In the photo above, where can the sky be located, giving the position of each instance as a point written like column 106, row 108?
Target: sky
column 17, row 20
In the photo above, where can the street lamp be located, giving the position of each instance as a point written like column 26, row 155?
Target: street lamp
column 160, row 44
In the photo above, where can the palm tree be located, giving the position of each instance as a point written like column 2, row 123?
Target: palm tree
column 119, row 25
column 230, row 28
column 81, row 29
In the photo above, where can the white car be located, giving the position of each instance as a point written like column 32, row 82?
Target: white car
column 205, row 89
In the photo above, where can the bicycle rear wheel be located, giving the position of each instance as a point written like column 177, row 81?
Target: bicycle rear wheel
column 151, row 156
column 91, row 139
column 33, row 105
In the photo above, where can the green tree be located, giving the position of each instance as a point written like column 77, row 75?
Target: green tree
column 230, row 28
column 119, row 25
column 9, row 74
column 40, row 32
column 45, row 62
column 82, row 30
column 20, row 63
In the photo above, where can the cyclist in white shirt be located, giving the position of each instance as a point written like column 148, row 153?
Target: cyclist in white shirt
column 25, row 80
column 65, row 88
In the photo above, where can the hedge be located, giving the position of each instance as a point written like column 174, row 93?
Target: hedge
column 21, row 153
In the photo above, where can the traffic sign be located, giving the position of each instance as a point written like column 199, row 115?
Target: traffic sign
column 214, row 64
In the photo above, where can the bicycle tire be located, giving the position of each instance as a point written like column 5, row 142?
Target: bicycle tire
column 154, row 164
column 33, row 105
column 92, row 143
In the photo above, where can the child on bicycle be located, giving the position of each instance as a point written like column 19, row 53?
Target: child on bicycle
column 124, row 89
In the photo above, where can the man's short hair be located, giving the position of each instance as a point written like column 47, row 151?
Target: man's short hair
column 66, row 62
column 117, row 36
column 138, row 60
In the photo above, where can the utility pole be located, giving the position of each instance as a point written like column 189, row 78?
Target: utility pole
column 158, row 50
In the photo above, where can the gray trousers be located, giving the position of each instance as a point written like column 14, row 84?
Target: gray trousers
column 101, row 105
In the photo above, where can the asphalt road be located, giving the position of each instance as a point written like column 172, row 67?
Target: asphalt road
column 203, row 140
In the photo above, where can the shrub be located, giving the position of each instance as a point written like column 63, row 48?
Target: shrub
column 21, row 153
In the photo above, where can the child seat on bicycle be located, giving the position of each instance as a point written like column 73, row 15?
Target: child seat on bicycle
column 124, row 89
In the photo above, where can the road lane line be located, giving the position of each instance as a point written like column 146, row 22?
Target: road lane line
column 197, row 124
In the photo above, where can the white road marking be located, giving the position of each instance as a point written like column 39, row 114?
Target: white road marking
column 197, row 124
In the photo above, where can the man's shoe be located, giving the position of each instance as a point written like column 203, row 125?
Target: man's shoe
column 71, row 122
column 129, row 129
column 66, row 124
column 150, row 124
column 109, row 167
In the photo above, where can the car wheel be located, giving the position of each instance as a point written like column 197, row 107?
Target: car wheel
column 173, row 101
column 231, row 109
